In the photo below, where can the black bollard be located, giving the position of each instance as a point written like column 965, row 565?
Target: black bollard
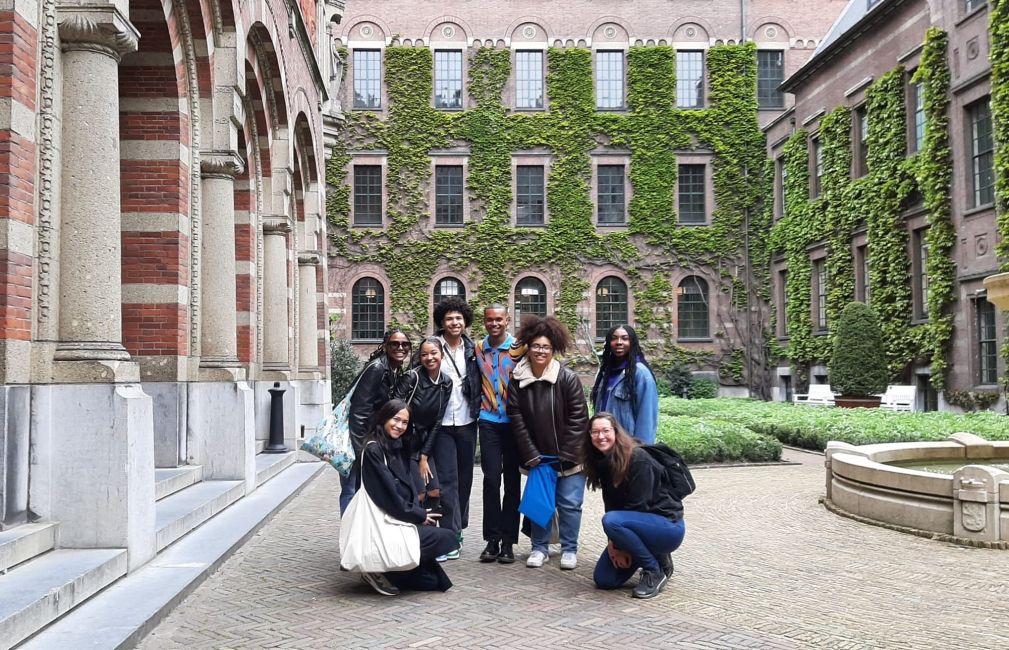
column 276, row 445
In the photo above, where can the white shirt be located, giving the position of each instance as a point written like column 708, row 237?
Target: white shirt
column 457, row 410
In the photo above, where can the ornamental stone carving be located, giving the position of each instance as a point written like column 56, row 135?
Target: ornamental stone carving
column 221, row 164
column 100, row 29
column 973, row 514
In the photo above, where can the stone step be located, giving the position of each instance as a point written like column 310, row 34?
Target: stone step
column 169, row 480
column 36, row 593
column 183, row 511
column 269, row 465
column 25, row 542
column 121, row 615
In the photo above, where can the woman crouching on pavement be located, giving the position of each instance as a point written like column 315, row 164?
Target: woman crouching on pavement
column 386, row 471
column 643, row 521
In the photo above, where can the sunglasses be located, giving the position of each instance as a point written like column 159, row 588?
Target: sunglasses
column 399, row 344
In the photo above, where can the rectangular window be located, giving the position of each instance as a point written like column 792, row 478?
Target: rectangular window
column 689, row 79
column 691, row 206
column 862, row 268
column 609, row 79
column 610, row 194
column 918, row 102
column 987, row 342
column 820, row 278
column 447, row 79
column 861, row 141
column 368, row 79
column 782, row 204
column 367, row 195
column 529, row 195
column 982, row 150
column 971, row 5
column 783, row 303
column 814, row 186
column 920, row 264
column 770, row 74
column 529, row 79
column 448, row 195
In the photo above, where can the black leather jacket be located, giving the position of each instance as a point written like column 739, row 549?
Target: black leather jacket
column 471, row 388
column 427, row 401
column 549, row 418
column 374, row 388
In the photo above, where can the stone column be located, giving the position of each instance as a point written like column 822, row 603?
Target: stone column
column 276, row 324
column 308, row 305
column 92, row 40
column 218, row 328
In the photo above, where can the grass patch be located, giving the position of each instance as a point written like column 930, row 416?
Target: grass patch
column 711, row 440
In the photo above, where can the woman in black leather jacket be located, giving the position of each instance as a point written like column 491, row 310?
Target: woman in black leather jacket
column 426, row 390
column 373, row 388
column 384, row 469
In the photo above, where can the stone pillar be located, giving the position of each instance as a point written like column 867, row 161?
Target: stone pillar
column 218, row 333
column 308, row 307
column 276, row 324
column 976, row 502
column 92, row 40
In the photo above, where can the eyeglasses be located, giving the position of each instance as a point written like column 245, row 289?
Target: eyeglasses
column 399, row 344
column 596, row 433
column 541, row 348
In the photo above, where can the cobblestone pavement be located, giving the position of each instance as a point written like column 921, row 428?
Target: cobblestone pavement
column 762, row 566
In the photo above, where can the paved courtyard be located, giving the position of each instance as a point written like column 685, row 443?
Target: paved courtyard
column 762, row 566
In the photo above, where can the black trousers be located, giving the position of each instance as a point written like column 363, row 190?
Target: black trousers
column 428, row 575
column 454, row 453
column 499, row 459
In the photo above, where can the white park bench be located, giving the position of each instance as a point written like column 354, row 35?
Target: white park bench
column 818, row 395
column 899, row 398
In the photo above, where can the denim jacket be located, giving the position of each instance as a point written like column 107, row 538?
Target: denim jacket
column 643, row 421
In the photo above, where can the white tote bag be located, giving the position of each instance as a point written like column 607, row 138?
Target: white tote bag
column 373, row 542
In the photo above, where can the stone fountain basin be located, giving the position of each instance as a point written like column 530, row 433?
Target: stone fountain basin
column 970, row 505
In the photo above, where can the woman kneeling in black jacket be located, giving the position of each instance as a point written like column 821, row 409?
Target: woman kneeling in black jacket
column 643, row 521
column 386, row 465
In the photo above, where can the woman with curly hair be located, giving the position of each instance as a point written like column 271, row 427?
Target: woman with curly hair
column 625, row 385
column 643, row 520
column 373, row 388
column 546, row 406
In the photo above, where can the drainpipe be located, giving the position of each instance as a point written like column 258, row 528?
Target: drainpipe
column 742, row 21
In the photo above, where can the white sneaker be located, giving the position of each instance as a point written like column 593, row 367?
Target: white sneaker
column 569, row 560
column 536, row 559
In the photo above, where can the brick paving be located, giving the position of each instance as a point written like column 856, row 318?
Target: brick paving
column 763, row 565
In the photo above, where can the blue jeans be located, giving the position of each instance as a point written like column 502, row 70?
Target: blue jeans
column 642, row 534
column 348, row 486
column 570, row 492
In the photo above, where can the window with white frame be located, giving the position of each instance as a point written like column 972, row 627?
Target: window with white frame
column 611, row 305
column 692, row 309
column 367, row 79
column 982, row 153
column 918, row 104
column 448, row 79
column 448, row 287
column 367, row 195
column 610, row 200
column 820, row 292
column 609, row 79
column 919, row 263
column 692, row 190
column 448, row 195
column 530, row 195
column 529, row 79
column 690, row 79
column 987, row 342
column 530, row 298
column 770, row 74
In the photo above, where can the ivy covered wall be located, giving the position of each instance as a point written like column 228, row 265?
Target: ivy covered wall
column 492, row 253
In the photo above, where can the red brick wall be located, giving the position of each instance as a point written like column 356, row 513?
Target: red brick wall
column 155, row 329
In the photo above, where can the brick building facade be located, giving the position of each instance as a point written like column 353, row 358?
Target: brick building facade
column 614, row 224
column 161, row 233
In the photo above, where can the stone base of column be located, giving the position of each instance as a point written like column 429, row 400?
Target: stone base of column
column 15, row 409
column 92, row 466
column 215, row 370
column 91, row 351
column 96, row 371
column 263, row 401
column 221, row 431
column 171, row 400
column 314, row 404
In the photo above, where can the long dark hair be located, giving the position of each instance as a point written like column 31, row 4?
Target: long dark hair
column 376, row 423
column 620, row 455
column 380, row 350
column 634, row 356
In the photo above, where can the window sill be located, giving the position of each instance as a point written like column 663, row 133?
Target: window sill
column 693, row 224
column 375, row 226
column 919, row 320
column 518, row 109
column 366, row 341
column 616, row 226
column 357, row 109
column 450, row 226
column 821, row 332
column 441, row 109
column 973, row 12
column 694, row 339
column 530, row 225
column 987, row 207
column 622, row 109
column 770, row 109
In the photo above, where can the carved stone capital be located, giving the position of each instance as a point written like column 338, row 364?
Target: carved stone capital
column 309, row 258
column 276, row 226
column 221, row 164
column 97, row 28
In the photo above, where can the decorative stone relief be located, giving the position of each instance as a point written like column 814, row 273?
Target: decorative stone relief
column 771, row 32
column 973, row 49
column 98, row 29
column 262, row 62
column 366, row 31
column 448, row 31
column 47, row 150
column 610, row 32
column 973, row 515
column 529, row 31
column 691, row 32
column 981, row 246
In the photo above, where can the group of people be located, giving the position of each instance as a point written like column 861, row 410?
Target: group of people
column 513, row 395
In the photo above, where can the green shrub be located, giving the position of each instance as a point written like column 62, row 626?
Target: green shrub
column 702, row 389
column 711, row 441
column 344, row 365
column 679, row 377
column 858, row 365
column 662, row 385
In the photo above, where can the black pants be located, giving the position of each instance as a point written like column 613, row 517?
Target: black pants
column 499, row 459
column 428, row 575
column 454, row 453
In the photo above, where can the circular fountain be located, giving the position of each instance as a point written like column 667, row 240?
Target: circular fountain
column 956, row 490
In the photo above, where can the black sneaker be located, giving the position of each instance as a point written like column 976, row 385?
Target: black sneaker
column 491, row 552
column 666, row 564
column 507, row 555
column 651, row 584
column 380, row 584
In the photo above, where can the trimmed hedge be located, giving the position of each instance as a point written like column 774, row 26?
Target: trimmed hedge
column 811, row 427
column 711, row 440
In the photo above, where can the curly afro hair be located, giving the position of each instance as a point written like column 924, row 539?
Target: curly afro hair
column 555, row 331
column 450, row 304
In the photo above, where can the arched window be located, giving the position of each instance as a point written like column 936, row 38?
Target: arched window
column 530, row 298
column 611, row 304
column 692, row 305
column 448, row 287
column 367, row 310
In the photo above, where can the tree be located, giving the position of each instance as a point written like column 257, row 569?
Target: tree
column 858, row 364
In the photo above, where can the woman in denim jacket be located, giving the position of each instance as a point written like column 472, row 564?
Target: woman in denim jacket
column 625, row 385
